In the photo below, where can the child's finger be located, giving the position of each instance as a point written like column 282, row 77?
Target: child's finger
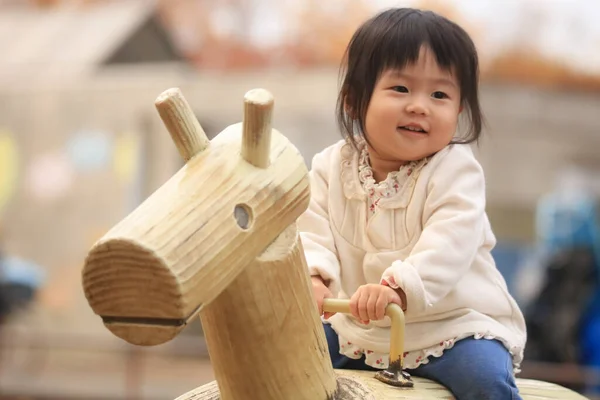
column 372, row 307
column 363, row 313
column 381, row 305
column 354, row 304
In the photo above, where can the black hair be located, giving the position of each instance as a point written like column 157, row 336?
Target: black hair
column 393, row 39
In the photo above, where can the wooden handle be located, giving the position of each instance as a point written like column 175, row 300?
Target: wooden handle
column 182, row 124
column 256, row 131
column 393, row 311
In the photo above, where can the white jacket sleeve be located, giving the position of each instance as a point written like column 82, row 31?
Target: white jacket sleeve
column 315, row 232
column 453, row 231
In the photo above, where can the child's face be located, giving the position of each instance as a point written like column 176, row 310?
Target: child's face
column 413, row 112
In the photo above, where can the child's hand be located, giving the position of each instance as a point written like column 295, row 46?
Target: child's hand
column 369, row 302
column 320, row 292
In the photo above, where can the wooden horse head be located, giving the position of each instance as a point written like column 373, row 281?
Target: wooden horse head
column 190, row 239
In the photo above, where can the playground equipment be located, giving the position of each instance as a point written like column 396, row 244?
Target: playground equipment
column 219, row 240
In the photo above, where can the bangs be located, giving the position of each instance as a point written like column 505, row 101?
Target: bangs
column 401, row 45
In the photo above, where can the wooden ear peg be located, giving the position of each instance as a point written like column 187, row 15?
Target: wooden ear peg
column 256, row 131
column 182, row 124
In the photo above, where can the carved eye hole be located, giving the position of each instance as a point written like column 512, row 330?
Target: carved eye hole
column 243, row 216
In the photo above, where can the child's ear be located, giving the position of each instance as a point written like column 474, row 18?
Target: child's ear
column 460, row 109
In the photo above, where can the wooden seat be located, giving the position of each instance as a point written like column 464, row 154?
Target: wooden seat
column 360, row 385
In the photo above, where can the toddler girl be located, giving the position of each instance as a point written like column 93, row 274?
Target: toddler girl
column 397, row 213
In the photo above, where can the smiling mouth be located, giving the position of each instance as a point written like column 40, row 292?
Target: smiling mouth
column 413, row 129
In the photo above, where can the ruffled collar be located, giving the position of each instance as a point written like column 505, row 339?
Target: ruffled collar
column 358, row 181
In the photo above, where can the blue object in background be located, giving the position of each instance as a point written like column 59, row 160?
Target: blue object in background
column 569, row 222
column 19, row 282
column 590, row 336
column 18, row 271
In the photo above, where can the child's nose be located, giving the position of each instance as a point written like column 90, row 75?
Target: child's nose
column 417, row 106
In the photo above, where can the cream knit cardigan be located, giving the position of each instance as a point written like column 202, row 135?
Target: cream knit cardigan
column 433, row 239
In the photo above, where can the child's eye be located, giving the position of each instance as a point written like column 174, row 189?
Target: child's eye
column 401, row 89
column 439, row 95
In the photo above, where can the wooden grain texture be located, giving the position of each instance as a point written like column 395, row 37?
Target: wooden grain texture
column 256, row 131
column 184, row 245
column 360, row 385
column 264, row 334
column 182, row 124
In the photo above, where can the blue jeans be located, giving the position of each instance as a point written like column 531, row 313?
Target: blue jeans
column 472, row 369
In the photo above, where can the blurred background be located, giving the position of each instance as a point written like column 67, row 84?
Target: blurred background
column 81, row 145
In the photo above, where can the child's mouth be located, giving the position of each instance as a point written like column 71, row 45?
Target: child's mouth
column 413, row 129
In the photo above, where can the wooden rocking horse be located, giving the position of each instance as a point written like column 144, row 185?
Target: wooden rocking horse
column 219, row 240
